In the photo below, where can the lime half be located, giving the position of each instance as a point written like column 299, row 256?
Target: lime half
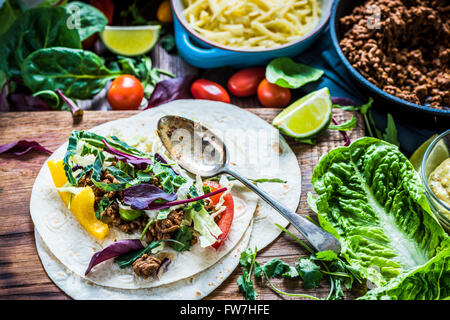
column 307, row 116
column 130, row 41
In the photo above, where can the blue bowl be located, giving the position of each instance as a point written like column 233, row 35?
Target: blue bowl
column 203, row 53
column 342, row 8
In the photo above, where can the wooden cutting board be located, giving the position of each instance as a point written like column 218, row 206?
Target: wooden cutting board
column 21, row 273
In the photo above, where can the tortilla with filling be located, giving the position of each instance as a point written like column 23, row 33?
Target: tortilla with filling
column 73, row 247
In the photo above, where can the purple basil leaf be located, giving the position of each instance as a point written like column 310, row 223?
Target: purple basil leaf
column 77, row 113
column 342, row 101
column 344, row 134
column 128, row 158
column 140, row 196
column 160, row 206
column 114, row 250
column 162, row 267
column 171, row 89
column 24, row 102
column 21, row 147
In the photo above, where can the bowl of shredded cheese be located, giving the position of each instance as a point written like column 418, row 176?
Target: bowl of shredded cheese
column 242, row 33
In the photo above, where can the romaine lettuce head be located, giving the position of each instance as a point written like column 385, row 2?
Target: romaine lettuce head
column 371, row 198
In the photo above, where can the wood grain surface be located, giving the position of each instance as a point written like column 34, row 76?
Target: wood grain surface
column 21, row 273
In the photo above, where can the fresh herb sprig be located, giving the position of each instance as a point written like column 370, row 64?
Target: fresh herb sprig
column 310, row 269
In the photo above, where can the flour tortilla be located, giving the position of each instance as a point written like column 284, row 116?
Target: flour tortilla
column 192, row 288
column 73, row 249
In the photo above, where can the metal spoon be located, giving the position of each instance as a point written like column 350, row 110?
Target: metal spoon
column 200, row 151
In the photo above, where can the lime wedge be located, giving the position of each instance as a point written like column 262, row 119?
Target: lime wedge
column 307, row 116
column 437, row 155
column 130, row 41
column 417, row 156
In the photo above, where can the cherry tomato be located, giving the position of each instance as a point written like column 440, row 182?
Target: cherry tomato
column 272, row 96
column 105, row 6
column 164, row 12
column 244, row 83
column 126, row 93
column 226, row 218
column 209, row 90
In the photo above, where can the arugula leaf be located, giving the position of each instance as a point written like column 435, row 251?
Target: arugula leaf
column 350, row 124
column 391, row 131
column 309, row 272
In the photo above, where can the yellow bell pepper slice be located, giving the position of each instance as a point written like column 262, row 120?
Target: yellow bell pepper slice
column 82, row 204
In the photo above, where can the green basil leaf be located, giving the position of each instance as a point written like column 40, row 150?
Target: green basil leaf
column 286, row 73
column 79, row 74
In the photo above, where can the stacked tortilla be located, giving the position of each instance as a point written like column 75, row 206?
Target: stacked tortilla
column 256, row 150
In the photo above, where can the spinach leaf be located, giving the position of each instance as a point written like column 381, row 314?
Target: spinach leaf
column 90, row 19
column 286, row 73
column 35, row 29
column 184, row 236
column 78, row 73
column 8, row 13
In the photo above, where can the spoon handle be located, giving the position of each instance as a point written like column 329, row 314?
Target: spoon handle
column 316, row 236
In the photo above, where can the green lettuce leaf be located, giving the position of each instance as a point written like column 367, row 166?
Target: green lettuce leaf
column 371, row 198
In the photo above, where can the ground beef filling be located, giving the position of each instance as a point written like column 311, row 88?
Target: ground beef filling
column 165, row 228
column 407, row 53
column 146, row 266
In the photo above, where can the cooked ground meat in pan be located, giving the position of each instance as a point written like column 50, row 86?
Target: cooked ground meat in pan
column 408, row 53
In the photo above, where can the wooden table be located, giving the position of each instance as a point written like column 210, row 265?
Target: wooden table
column 21, row 273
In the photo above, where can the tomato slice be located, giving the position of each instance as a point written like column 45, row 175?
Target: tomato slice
column 226, row 218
